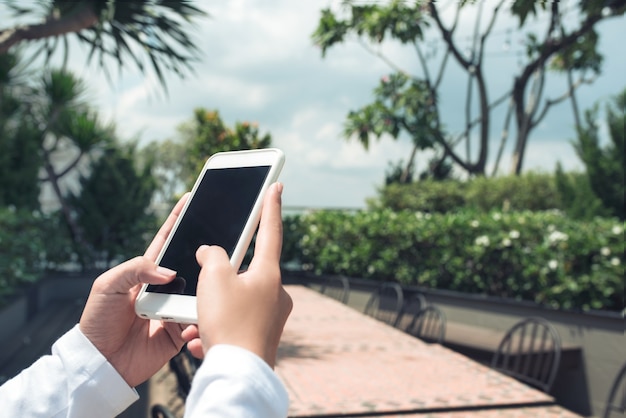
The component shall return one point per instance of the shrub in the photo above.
(424, 196)
(531, 191)
(538, 256)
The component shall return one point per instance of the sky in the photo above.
(259, 64)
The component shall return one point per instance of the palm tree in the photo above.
(112, 29)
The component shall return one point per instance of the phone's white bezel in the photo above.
(183, 308)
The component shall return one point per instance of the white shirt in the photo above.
(76, 380)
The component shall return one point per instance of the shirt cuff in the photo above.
(233, 377)
(91, 376)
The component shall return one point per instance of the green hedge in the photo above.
(531, 191)
(538, 256)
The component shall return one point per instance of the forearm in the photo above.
(234, 382)
(74, 381)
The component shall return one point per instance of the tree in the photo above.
(141, 29)
(19, 158)
(571, 50)
(605, 165)
(202, 136)
(112, 207)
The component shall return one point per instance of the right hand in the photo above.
(250, 309)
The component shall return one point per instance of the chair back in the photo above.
(385, 303)
(428, 324)
(336, 287)
(412, 305)
(530, 352)
(617, 397)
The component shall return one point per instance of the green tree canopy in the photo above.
(605, 164)
(112, 207)
(567, 45)
(179, 161)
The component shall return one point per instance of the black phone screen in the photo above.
(216, 215)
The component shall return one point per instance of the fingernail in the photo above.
(279, 188)
(164, 271)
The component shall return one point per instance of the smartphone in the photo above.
(224, 209)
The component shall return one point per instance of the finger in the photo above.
(195, 348)
(159, 239)
(190, 332)
(214, 264)
(269, 239)
(122, 278)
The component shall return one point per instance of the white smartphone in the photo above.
(224, 209)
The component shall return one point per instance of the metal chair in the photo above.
(184, 366)
(336, 287)
(428, 324)
(161, 411)
(530, 352)
(412, 305)
(616, 401)
(385, 303)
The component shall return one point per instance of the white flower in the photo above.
(506, 242)
(370, 269)
(605, 251)
(482, 240)
(551, 228)
(616, 230)
(313, 228)
(615, 261)
(557, 236)
(496, 216)
(305, 238)
(474, 224)
(514, 234)
(428, 216)
(419, 215)
(553, 264)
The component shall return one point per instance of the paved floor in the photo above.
(36, 340)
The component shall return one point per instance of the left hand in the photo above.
(137, 348)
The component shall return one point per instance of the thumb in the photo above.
(139, 270)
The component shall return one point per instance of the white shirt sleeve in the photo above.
(76, 380)
(234, 382)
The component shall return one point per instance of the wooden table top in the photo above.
(336, 361)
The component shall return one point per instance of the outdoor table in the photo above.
(336, 361)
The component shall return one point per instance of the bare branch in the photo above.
(383, 58)
(504, 137)
(570, 91)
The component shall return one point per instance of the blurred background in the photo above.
(468, 146)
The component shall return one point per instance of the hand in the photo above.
(137, 348)
(250, 309)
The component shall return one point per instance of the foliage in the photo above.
(112, 207)
(538, 256)
(22, 248)
(605, 166)
(19, 159)
(577, 199)
(405, 97)
(136, 31)
(426, 196)
(530, 191)
(401, 104)
(199, 138)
